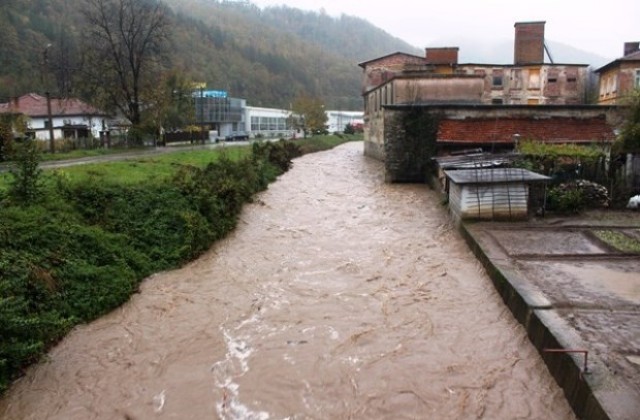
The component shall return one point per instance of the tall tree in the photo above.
(629, 139)
(126, 41)
(309, 115)
(170, 104)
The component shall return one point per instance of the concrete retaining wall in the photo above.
(537, 318)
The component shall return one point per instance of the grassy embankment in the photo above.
(81, 246)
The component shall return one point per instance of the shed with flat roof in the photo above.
(491, 194)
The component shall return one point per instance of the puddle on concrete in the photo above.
(623, 284)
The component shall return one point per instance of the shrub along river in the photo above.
(337, 296)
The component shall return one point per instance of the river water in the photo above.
(337, 297)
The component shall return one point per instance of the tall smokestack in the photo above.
(529, 43)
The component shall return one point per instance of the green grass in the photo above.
(77, 154)
(149, 169)
(158, 168)
(618, 240)
(154, 169)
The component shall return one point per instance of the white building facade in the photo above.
(268, 122)
(338, 120)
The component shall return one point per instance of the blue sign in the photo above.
(210, 94)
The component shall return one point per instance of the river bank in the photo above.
(337, 296)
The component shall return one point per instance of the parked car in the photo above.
(237, 135)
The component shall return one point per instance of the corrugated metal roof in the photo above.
(474, 160)
(494, 176)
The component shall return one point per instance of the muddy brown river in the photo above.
(337, 297)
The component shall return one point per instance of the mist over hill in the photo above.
(474, 50)
(268, 56)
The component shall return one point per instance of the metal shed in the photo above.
(491, 194)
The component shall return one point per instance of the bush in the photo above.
(349, 129)
(575, 196)
(25, 183)
(565, 200)
(6, 140)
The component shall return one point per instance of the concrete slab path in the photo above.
(578, 297)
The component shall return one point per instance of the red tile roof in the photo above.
(35, 105)
(502, 130)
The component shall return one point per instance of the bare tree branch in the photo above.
(125, 38)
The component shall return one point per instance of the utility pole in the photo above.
(52, 146)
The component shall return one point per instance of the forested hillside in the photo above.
(268, 56)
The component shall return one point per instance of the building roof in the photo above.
(476, 131)
(364, 63)
(627, 58)
(517, 66)
(424, 75)
(494, 176)
(475, 160)
(34, 105)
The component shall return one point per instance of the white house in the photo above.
(71, 117)
(338, 120)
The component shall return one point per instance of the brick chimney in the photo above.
(529, 43)
(631, 47)
(445, 55)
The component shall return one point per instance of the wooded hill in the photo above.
(267, 56)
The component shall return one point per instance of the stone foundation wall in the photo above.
(407, 137)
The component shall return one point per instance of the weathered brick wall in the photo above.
(438, 89)
(551, 84)
(529, 43)
(553, 129)
(445, 55)
(379, 71)
(627, 77)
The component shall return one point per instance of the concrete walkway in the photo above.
(579, 300)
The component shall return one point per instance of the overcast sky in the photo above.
(598, 26)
